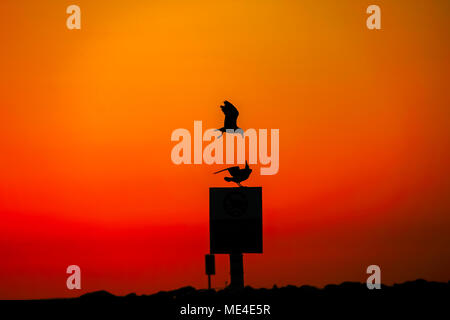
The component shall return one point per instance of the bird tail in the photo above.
(221, 170)
(228, 179)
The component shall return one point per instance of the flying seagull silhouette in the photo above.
(230, 122)
(237, 174)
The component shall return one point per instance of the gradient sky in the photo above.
(86, 117)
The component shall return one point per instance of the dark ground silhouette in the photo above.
(419, 299)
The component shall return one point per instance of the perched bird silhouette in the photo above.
(237, 174)
(230, 122)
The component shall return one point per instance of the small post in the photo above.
(210, 267)
(237, 270)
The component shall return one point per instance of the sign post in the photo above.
(235, 226)
(237, 270)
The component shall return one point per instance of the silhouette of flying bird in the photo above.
(237, 174)
(230, 122)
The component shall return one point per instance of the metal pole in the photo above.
(237, 270)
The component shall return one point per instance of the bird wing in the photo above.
(231, 115)
(234, 171)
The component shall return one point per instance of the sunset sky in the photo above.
(86, 117)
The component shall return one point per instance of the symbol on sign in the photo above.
(235, 204)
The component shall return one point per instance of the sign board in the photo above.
(235, 220)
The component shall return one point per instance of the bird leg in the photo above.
(220, 131)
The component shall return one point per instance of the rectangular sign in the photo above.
(235, 220)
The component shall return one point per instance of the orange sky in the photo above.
(86, 117)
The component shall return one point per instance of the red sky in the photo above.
(86, 118)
